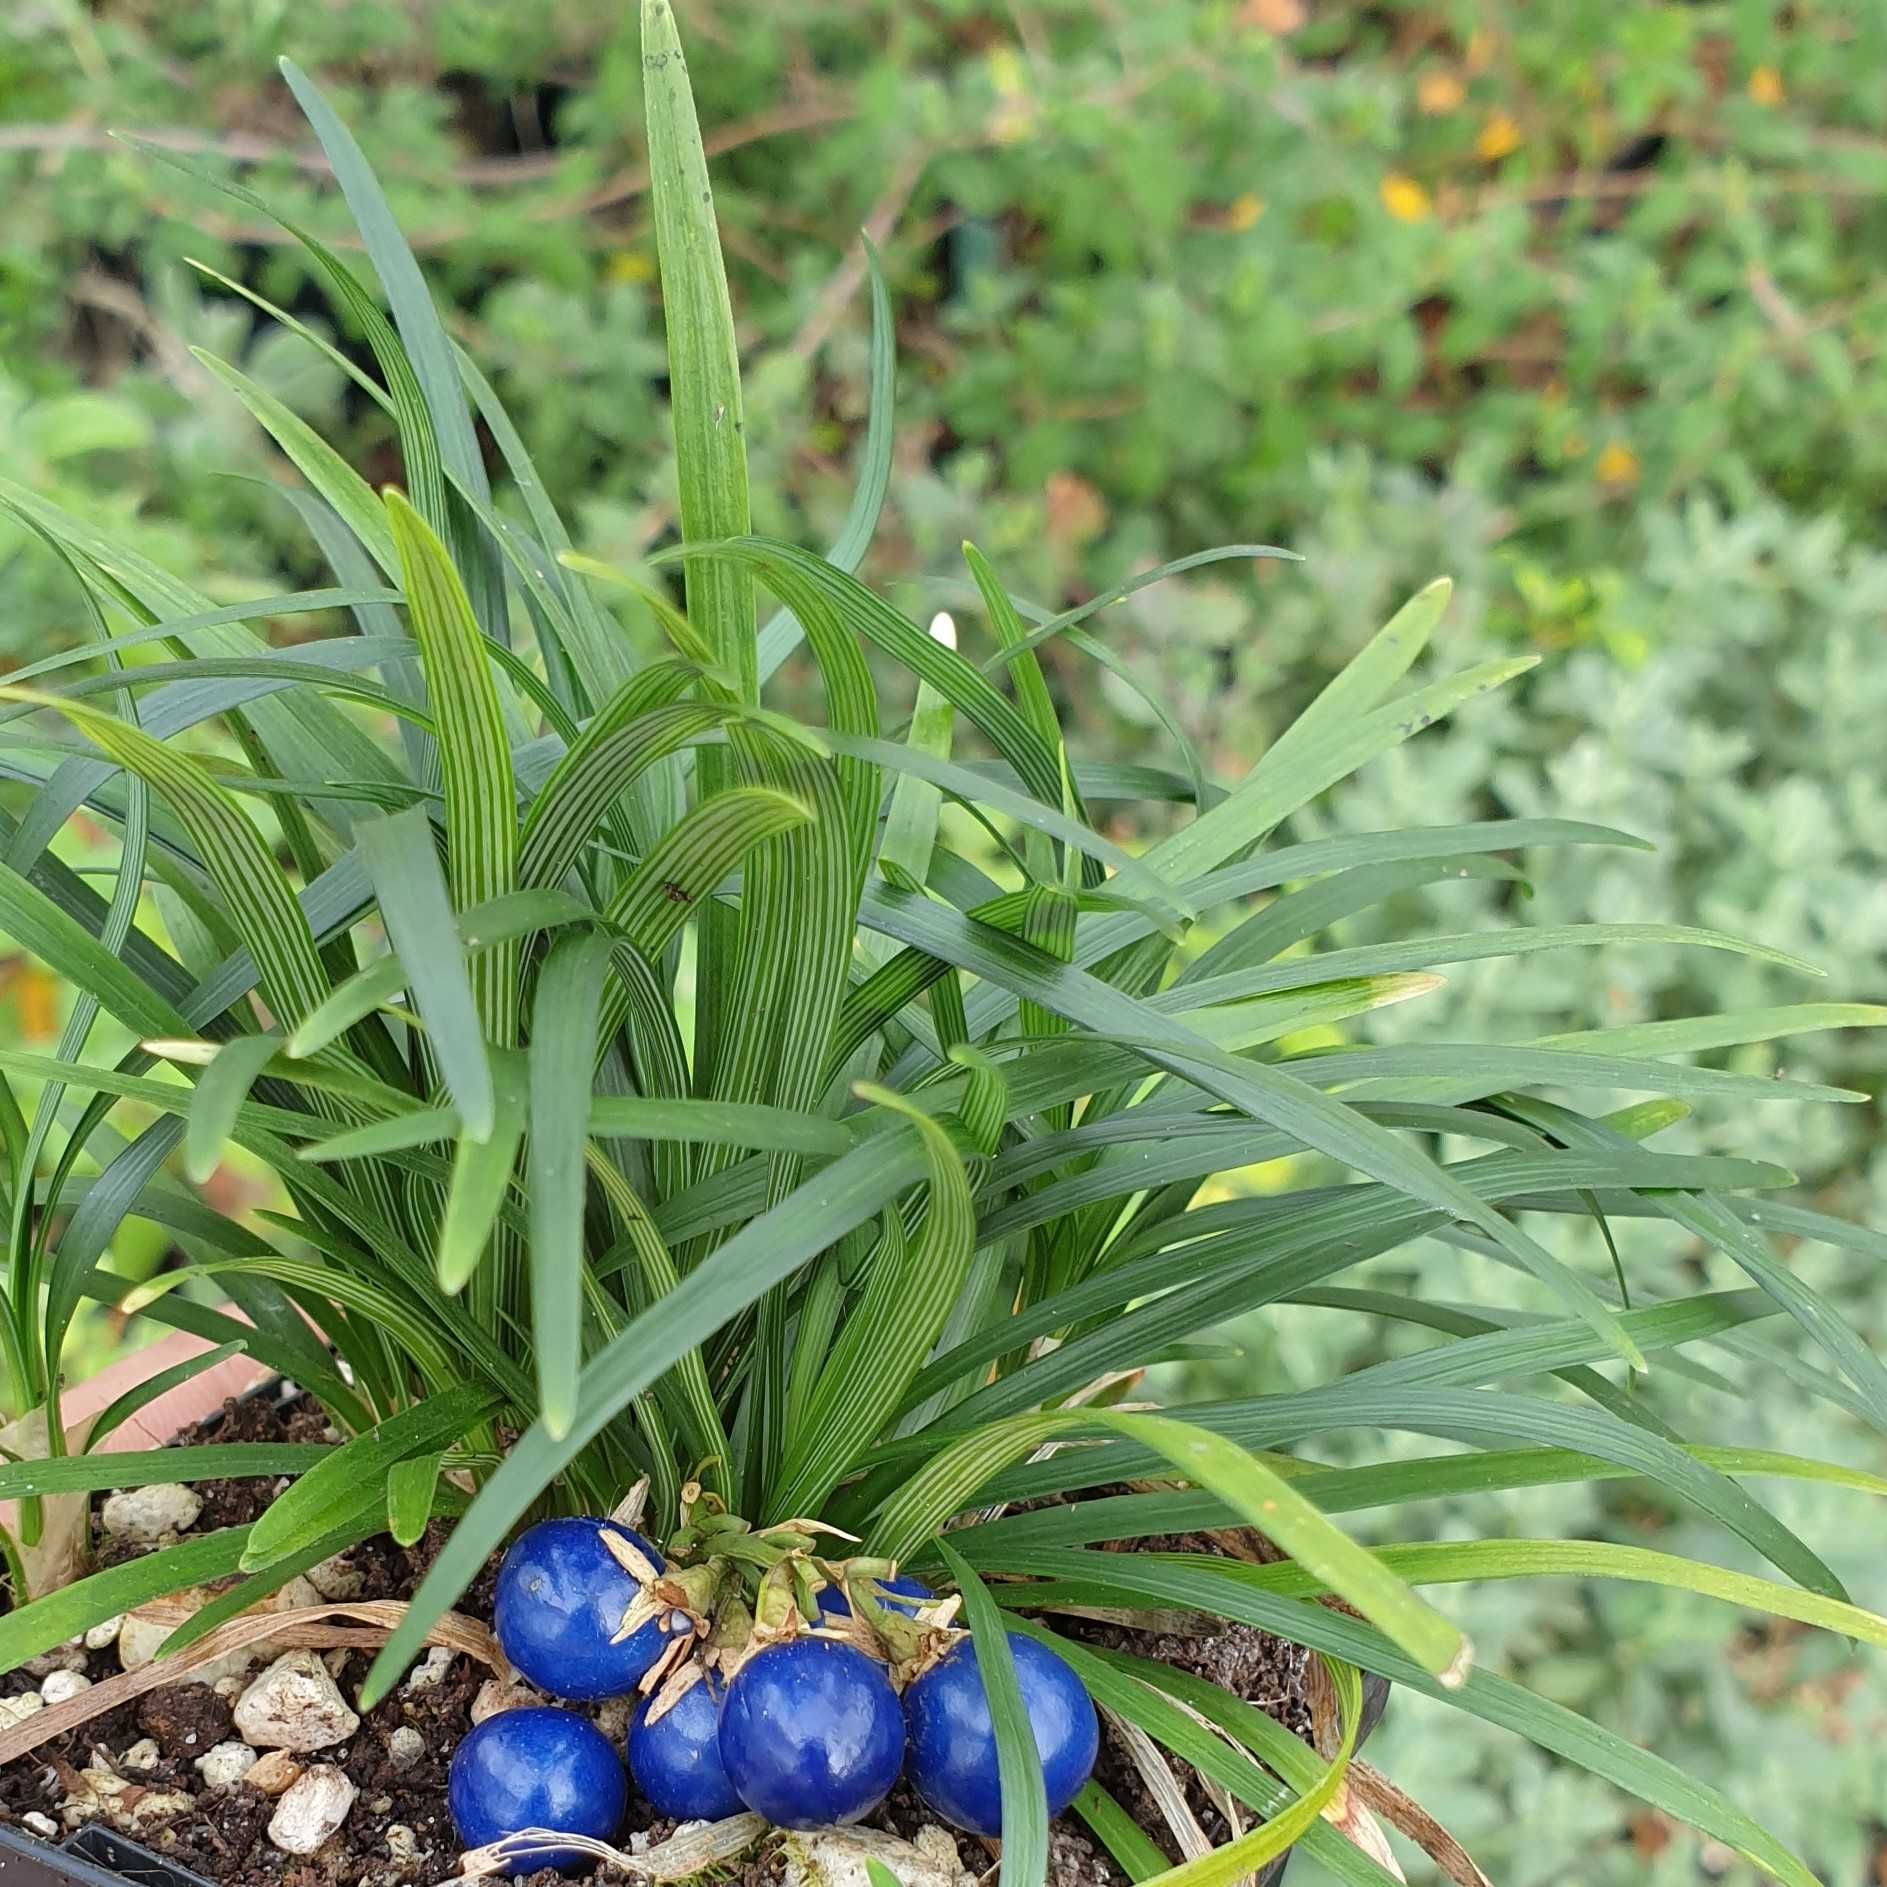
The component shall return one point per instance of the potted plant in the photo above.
(720, 1192)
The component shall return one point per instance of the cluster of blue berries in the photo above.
(790, 1708)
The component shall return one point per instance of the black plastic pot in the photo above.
(94, 1857)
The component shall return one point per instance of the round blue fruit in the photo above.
(540, 1768)
(811, 1733)
(676, 1760)
(561, 1599)
(901, 1593)
(953, 1744)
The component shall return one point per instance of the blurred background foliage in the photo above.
(1579, 302)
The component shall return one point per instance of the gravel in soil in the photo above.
(223, 1837)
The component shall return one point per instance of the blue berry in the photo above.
(539, 1768)
(676, 1760)
(561, 1598)
(811, 1733)
(953, 1744)
(901, 1592)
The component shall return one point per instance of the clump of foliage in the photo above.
(663, 1088)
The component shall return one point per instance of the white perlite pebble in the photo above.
(146, 1514)
(104, 1633)
(98, 1793)
(402, 1843)
(273, 1773)
(336, 1579)
(311, 1811)
(142, 1755)
(294, 1705)
(225, 1765)
(139, 1637)
(497, 1694)
(837, 1857)
(69, 1656)
(42, 1825)
(430, 1671)
(62, 1686)
(405, 1747)
(17, 1709)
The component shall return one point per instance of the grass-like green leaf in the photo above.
(563, 1035)
(354, 1475)
(417, 911)
(221, 1090)
(703, 363)
(1018, 1762)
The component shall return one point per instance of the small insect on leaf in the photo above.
(674, 893)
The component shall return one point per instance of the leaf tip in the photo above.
(1458, 1667)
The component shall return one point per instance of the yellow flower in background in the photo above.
(1014, 116)
(35, 992)
(1405, 199)
(1439, 92)
(1617, 464)
(1500, 137)
(1243, 211)
(629, 265)
(1765, 86)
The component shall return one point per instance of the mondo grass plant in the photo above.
(662, 1094)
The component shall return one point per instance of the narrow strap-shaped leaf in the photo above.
(1471, 1414)
(1453, 1562)
(847, 551)
(1118, 1833)
(412, 1485)
(703, 362)
(1018, 1761)
(1125, 1685)
(481, 1176)
(481, 817)
(1364, 681)
(1229, 1866)
(350, 495)
(140, 1395)
(74, 1609)
(149, 1467)
(221, 1090)
(689, 861)
(719, 1123)
(354, 1474)
(417, 911)
(419, 1127)
(179, 629)
(90, 1231)
(1277, 787)
(562, 1054)
(868, 615)
(1686, 1035)
(424, 335)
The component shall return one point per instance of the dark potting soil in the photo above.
(222, 1833)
